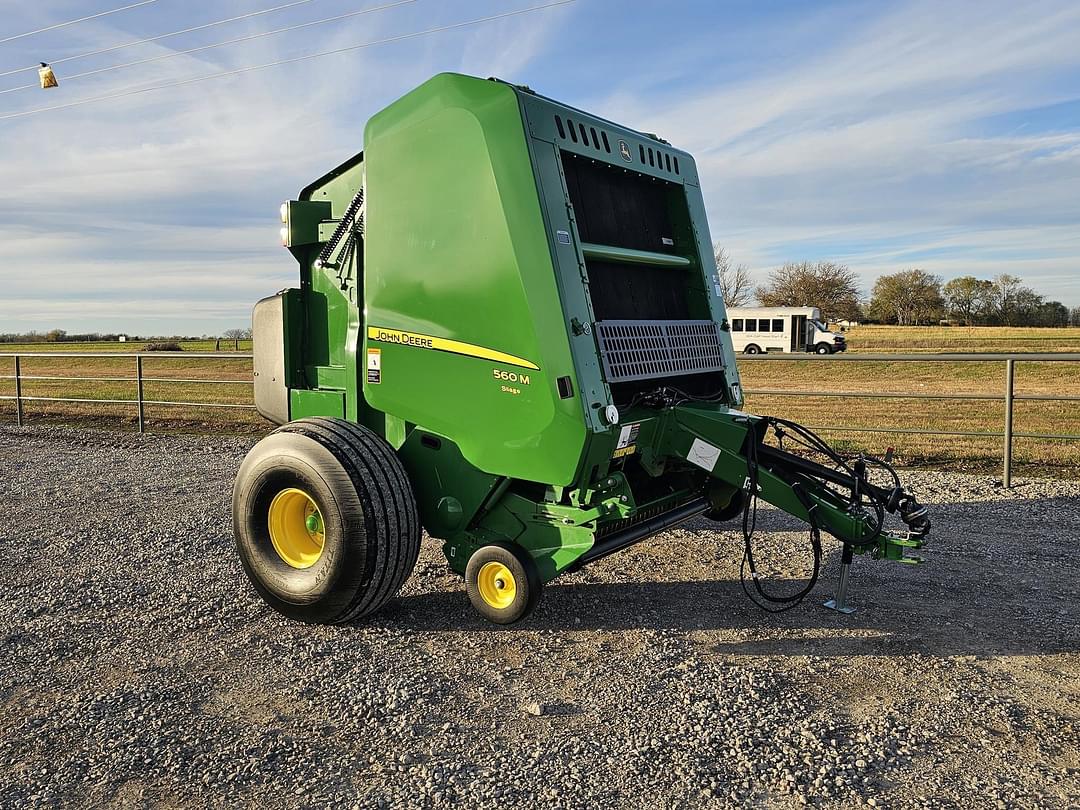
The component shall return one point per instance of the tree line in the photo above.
(57, 336)
(908, 297)
(63, 336)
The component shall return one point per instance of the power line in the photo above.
(81, 19)
(372, 10)
(163, 36)
(399, 38)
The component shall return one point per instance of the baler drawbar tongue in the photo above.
(835, 496)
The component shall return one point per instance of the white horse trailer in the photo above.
(782, 329)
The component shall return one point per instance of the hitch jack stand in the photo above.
(839, 602)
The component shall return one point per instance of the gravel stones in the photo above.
(138, 668)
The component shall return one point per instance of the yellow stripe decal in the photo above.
(439, 344)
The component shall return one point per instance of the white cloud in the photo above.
(872, 137)
(159, 212)
(876, 148)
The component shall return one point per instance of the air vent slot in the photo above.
(577, 133)
(643, 350)
(598, 139)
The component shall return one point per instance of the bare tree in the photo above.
(1074, 316)
(1006, 288)
(235, 335)
(736, 287)
(831, 287)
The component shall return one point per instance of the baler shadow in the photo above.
(988, 588)
(907, 623)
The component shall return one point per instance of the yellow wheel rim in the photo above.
(296, 528)
(496, 585)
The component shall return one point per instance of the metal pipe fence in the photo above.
(1008, 397)
(139, 379)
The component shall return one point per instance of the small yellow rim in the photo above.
(296, 528)
(496, 585)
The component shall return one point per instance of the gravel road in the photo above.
(138, 668)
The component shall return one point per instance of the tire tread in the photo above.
(391, 518)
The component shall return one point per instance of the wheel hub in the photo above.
(496, 585)
(296, 528)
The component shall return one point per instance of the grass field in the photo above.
(962, 339)
(167, 376)
(173, 378)
(1059, 457)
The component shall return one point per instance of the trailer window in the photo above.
(751, 325)
(778, 325)
(736, 325)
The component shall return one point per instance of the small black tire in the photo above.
(503, 583)
(356, 504)
(823, 348)
(732, 509)
(752, 349)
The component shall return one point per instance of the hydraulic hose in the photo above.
(797, 472)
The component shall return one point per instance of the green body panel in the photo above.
(462, 330)
(450, 491)
(316, 403)
(456, 248)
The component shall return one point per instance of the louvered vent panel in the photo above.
(643, 350)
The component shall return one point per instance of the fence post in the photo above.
(18, 393)
(139, 388)
(1006, 472)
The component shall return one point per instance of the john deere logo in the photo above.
(624, 150)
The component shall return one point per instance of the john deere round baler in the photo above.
(509, 332)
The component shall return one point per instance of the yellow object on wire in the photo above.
(47, 76)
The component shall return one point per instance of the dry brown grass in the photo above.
(963, 339)
(1036, 456)
(167, 377)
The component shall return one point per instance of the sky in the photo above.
(943, 136)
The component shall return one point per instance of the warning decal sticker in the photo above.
(628, 435)
(374, 366)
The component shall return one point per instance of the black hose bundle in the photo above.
(864, 496)
(749, 525)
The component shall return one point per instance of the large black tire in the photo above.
(370, 528)
(752, 349)
(523, 585)
(823, 348)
